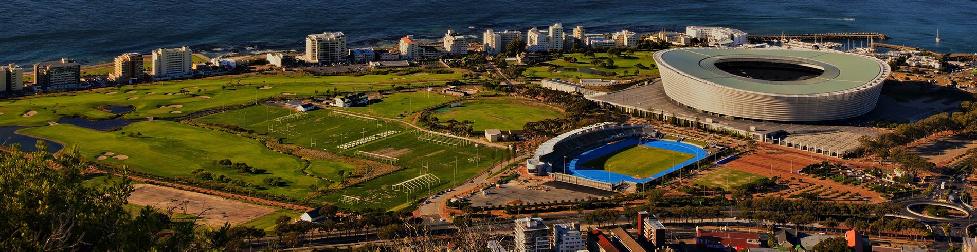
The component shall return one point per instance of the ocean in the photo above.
(95, 31)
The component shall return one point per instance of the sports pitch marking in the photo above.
(693, 152)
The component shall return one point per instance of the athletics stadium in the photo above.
(612, 156)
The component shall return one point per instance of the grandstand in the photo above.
(564, 155)
(554, 152)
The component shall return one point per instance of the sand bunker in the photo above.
(120, 157)
(29, 113)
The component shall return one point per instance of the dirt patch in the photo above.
(214, 211)
(786, 164)
(391, 152)
(946, 150)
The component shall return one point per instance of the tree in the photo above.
(834, 244)
(45, 206)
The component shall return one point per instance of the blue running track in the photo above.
(611, 148)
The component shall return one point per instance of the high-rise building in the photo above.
(11, 78)
(579, 32)
(567, 238)
(536, 40)
(625, 39)
(556, 37)
(128, 68)
(455, 44)
(496, 42)
(531, 235)
(326, 48)
(170, 63)
(57, 75)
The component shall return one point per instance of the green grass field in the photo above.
(726, 179)
(403, 103)
(327, 129)
(640, 161)
(499, 113)
(269, 221)
(172, 149)
(625, 67)
(175, 98)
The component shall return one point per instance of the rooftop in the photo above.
(839, 71)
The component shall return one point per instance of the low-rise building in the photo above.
(351, 100)
(389, 64)
(300, 106)
(600, 42)
(493, 135)
(279, 60)
(57, 75)
(651, 229)
(728, 240)
(363, 55)
(718, 36)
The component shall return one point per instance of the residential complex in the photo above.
(548, 40)
(128, 68)
(531, 235)
(411, 49)
(625, 39)
(567, 238)
(57, 75)
(496, 42)
(326, 48)
(11, 78)
(717, 36)
(171, 63)
(455, 44)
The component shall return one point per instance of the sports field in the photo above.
(499, 113)
(725, 178)
(172, 149)
(625, 67)
(403, 103)
(418, 154)
(641, 161)
(175, 98)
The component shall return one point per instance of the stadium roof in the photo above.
(841, 71)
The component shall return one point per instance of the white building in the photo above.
(531, 235)
(923, 61)
(625, 39)
(455, 44)
(496, 42)
(717, 36)
(675, 38)
(169, 63)
(11, 78)
(556, 37)
(326, 48)
(549, 40)
(600, 42)
(536, 40)
(567, 238)
(275, 59)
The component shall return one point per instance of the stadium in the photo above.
(772, 84)
(612, 156)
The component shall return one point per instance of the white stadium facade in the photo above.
(773, 84)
